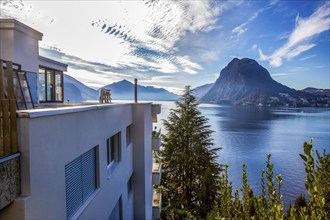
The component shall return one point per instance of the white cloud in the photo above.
(299, 39)
(188, 66)
(298, 50)
(278, 74)
(274, 2)
(209, 55)
(163, 79)
(175, 90)
(307, 58)
(254, 47)
(132, 35)
(239, 30)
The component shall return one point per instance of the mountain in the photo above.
(245, 81)
(125, 90)
(318, 92)
(76, 91)
(200, 91)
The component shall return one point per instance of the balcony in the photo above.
(156, 139)
(156, 172)
(10, 181)
(156, 143)
(155, 110)
(156, 204)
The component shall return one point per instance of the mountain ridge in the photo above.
(124, 90)
(200, 91)
(76, 91)
(246, 82)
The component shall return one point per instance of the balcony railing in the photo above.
(8, 126)
(14, 93)
(156, 172)
(156, 143)
(156, 204)
(10, 180)
(155, 110)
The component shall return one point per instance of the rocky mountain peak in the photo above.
(244, 80)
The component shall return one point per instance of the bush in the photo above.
(269, 205)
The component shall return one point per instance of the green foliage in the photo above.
(269, 204)
(190, 176)
(315, 175)
(247, 195)
(322, 179)
(300, 202)
(176, 214)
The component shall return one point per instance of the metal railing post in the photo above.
(135, 90)
(12, 106)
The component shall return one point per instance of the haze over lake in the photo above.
(247, 134)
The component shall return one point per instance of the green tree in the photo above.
(322, 178)
(190, 177)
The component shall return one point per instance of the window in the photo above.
(50, 85)
(80, 181)
(42, 85)
(114, 148)
(21, 87)
(116, 213)
(129, 185)
(129, 135)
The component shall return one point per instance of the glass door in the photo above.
(50, 85)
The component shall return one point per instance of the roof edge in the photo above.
(13, 24)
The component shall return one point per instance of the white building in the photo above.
(83, 161)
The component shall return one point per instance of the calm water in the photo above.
(247, 134)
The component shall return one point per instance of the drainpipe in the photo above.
(135, 90)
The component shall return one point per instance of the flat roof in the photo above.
(54, 64)
(69, 108)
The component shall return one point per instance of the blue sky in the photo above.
(171, 44)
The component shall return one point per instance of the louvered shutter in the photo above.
(88, 173)
(73, 184)
(80, 181)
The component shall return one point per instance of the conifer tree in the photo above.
(190, 176)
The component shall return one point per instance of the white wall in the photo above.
(142, 161)
(26, 51)
(6, 44)
(20, 44)
(50, 140)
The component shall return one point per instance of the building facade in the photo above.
(19, 43)
(83, 161)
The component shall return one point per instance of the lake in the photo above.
(248, 134)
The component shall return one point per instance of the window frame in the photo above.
(53, 73)
(129, 135)
(130, 185)
(120, 204)
(114, 149)
(22, 91)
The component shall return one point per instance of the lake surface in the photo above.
(248, 134)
